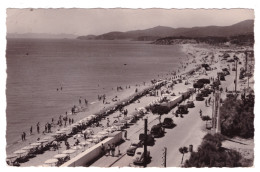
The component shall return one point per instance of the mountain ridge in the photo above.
(243, 27)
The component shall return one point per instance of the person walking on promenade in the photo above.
(108, 150)
(200, 113)
(125, 135)
(31, 130)
(103, 151)
(206, 102)
(209, 100)
(113, 149)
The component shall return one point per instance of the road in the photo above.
(188, 130)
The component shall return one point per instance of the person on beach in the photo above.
(24, 136)
(85, 136)
(69, 121)
(200, 113)
(206, 102)
(38, 129)
(31, 130)
(86, 102)
(72, 120)
(46, 128)
(79, 101)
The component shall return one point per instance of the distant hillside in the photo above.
(240, 28)
(41, 35)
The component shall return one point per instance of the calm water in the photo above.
(36, 68)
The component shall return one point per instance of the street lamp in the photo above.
(236, 59)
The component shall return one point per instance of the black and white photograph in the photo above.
(129, 87)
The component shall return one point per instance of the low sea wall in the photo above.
(88, 156)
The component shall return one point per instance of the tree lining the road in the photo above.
(160, 110)
(237, 117)
(211, 154)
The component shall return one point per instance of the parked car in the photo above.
(157, 131)
(199, 97)
(132, 148)
(182, 109)
(168, 123)
(205, 93)
(150, 139)
(190, 104)
(138, 158)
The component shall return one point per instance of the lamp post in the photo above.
(236, 59)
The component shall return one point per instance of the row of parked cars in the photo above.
(136, 148)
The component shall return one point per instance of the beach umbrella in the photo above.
(27, 148)
(54, 134)
(51, 161)
(95, 140)
(93, 116)
(46, 138)
(123, 121)
(70, 151)
(78, 135)
(35, 144)
(42, 141)
(84, 143)
(11, 156)
(60, 155)
(60, 132)
(20, 152)
(118, 124)
(127, 118)
(89, 140)
(76, 147)
(102, 133)
(65, 129)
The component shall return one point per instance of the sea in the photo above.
(46, 77)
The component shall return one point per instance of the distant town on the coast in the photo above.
(115, 95)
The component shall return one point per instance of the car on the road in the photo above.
(190, 104)
(199, 97)
(168, 123)
(132, 148)
(149, 140)
(138, 158)
(157, 131)
(182, 109)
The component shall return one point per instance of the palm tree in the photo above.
(183, 150)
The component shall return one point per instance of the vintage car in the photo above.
(132, 148)
(157, 131)
(182, 109)
(138, 158)
(199, 97)
(168, 123)
(190, 104)
(149, 140)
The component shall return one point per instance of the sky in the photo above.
(99, 21)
